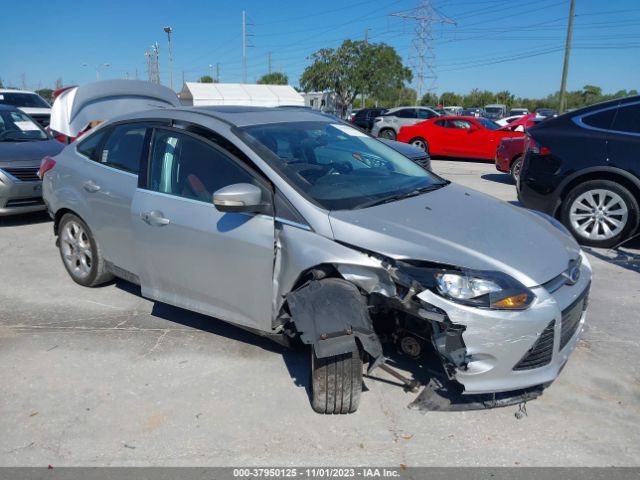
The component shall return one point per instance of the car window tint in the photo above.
(405, 113)
(426, 114)
(123, 148)
(463, 124)
(627, 119)
(600, 119)
(184, 166)
(87, 147)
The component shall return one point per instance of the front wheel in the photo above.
(387, 133)
(600, 213)
(336, 383)
(420, 143)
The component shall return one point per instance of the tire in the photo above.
(80, 253)
(387, 133)
(600, 213)
(516, 168)
(420, 143)
(336, 383)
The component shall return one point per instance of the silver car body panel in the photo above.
(241, 267)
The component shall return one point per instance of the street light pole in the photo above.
(97, 67)
(169, 30)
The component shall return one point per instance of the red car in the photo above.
(509, 156)
(467, 137)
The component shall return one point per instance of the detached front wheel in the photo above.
(336, 383)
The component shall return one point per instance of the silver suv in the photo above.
(389, 124)
(302, 228)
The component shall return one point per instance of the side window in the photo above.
(184, 166)
(124, 147)
(406, 113)
(462, 124)
(627, 119)
(88, 146)
(441, 123)
(600, 119)
(426, 114)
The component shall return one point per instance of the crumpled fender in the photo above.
(331, 314)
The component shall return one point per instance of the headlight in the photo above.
(483, 289)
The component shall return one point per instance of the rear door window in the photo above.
(627, 119)
(123, 149)
(600, 119)
(405, 113)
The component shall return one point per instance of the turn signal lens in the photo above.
(515, 301)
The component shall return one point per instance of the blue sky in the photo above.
(495, 44)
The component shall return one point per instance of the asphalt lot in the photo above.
(105, 377)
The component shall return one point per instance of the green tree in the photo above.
(450, 99)
(206, 79)
(356, 67)
(45, 93)
(274, 78)
(1, 84)
(429, 99)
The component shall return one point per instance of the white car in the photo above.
(29, 102)
(507, 120)
(388, 125)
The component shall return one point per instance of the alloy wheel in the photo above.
(598, 214)
(76, 250)
(419, 143)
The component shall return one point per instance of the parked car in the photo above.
(510, 153)
(29, 102)
(388, 125)
(352, 114)
(472, 112)
(518, 111)
(506, 120)
(296, 226)
(582, 168)
(546, 112)
(364, 118)
(23, 144)
(495, 111)
(452, 110)
(416, 155)
(466, 137)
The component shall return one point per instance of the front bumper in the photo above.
(497, 342)
(19, 197)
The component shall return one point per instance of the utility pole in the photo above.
(147, 55)
(567, 53)
(269, 62)
(169, 30)
(217, 73)
(425, 16)
(244, 47)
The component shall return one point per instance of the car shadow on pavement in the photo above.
(626, 256)
(503, 178)
(24, 219)
(296, 357)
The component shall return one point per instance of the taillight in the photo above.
(535, 147)
(46, 164)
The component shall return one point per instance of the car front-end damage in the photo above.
(488, 356)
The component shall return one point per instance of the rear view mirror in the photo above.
(239, 197)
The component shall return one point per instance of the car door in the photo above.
(190, 254)
(458, 137)
(108, 184)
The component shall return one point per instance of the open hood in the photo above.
(75, 108)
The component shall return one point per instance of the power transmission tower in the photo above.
(425, 16)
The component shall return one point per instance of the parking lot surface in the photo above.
(105, 377)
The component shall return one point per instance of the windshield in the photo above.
(28, 100)
(16, 126)
(488, 124)
(337, 166)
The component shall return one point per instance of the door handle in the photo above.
(91, 186)
(154, 218)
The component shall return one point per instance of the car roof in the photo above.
(239, 116)
(15, 90)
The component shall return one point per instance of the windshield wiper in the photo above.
(401, 196)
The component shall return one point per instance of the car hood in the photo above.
(23, 153)
(461, 227)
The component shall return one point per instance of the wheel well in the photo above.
(599, 175)
(515, 157)
(58, 216)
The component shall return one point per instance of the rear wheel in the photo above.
(516, 168)
(600, 213)
(420, 143)
(387, 133)
(80, 253)
(336, 383)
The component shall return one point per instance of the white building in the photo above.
(201, 94)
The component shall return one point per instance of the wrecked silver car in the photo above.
(301, 228)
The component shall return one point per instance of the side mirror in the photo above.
(239, 197)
